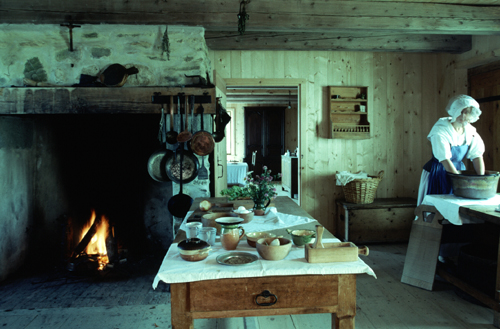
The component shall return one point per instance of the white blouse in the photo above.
(443, 136)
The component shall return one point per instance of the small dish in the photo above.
(236, 258)
(229, 221)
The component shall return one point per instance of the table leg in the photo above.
(181, 317)
(344, 318)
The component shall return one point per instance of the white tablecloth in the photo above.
(175, 270)
(271, 221)
(236, 172)
(448, 205)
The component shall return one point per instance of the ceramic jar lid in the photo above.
(193, 244)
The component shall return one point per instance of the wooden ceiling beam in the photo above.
(343, 42)
(277, 15)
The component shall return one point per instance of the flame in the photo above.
(97, 245)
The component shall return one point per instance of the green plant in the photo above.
(259, 188)
(235, 192)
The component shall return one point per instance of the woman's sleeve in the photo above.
(440, 147)
(476, 148)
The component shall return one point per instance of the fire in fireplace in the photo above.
(96, 247)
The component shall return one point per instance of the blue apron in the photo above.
(439, 182)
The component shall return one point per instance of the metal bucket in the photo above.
(469, 185)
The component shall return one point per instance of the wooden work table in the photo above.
(236, 297)
(423, 249)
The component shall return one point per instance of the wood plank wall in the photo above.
(407, 94)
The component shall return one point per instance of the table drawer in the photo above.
(241, 294)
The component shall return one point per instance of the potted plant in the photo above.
(260, 189)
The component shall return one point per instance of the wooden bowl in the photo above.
(269, 252)
(252, 237)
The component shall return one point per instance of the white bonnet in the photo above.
(460, 102)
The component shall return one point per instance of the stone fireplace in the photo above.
(59, 160)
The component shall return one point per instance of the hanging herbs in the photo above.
(242, 17)
(165, 44)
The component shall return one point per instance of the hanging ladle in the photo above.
(185, 135)
(172, 134)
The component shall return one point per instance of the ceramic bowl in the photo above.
(302, 237)
(208, 220)
(193, 250)
(254, 236)
(247, 217)
(270, 252)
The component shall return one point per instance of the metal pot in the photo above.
(467, 184)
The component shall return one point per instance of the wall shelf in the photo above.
(349, 112)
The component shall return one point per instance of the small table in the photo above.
(295, 294)
(236, 172)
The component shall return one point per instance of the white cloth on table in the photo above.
(236, 172)
(175, 270)
(271, 221)
(448, 205)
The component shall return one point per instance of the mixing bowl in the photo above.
(272, 252)
(467, 184)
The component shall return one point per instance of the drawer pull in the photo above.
(266, 294)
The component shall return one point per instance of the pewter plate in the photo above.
(236, 258)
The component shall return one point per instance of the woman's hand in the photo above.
(449, 167)
(478, 165)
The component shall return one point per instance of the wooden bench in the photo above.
(384, 220)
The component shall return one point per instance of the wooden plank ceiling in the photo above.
(404, 26)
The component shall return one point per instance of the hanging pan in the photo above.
(179, 204)
(202, 142)
(183, 161)
(157, 161)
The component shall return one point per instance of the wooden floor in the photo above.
(127, 300)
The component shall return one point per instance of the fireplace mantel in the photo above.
(92, 100)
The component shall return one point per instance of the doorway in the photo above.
(264, 138)
(259, 96)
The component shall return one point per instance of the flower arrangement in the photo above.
(259, 188)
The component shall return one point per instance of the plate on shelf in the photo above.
(236, 258)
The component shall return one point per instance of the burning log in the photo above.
(86, 239)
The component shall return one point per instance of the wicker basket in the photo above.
(362, 190)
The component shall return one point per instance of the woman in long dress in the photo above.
(452, 138)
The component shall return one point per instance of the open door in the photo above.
(218, 163)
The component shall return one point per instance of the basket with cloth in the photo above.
(359, 187)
